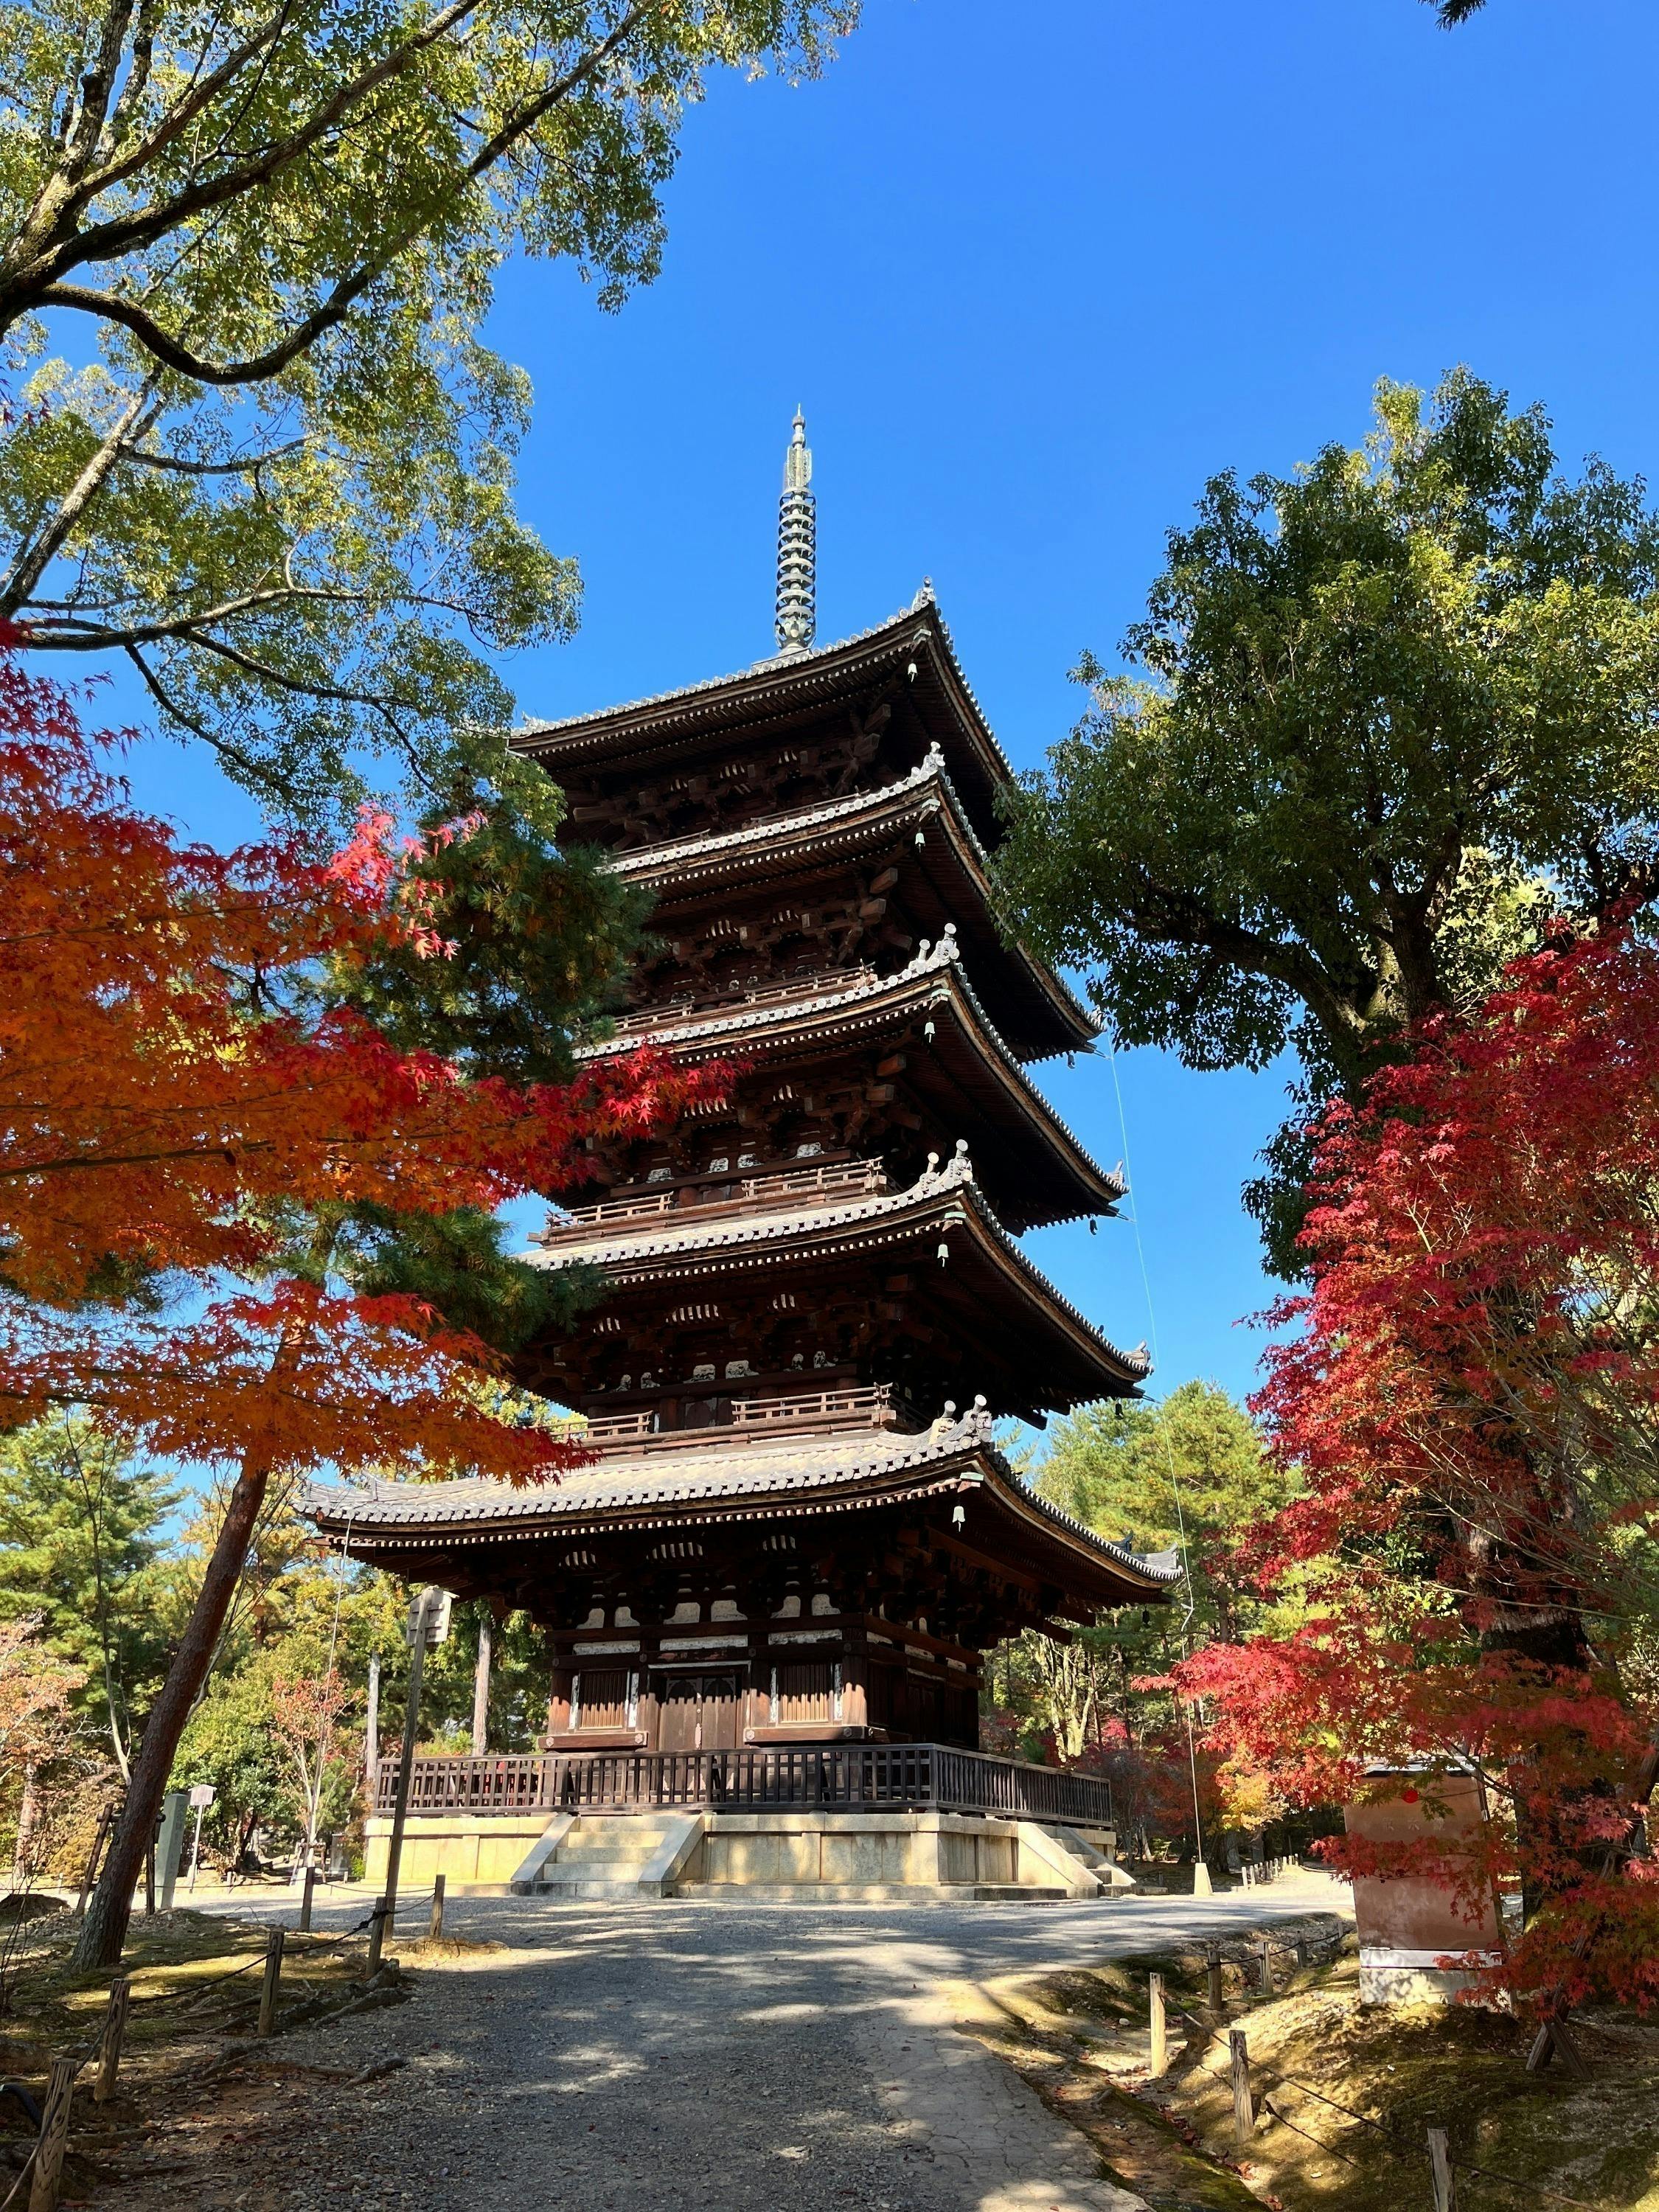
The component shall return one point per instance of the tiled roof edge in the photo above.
(931, 769)
(933, 962)
(726, 1233)
(530, 734)
(340, 1504)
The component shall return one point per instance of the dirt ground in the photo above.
(193, 2075)
(1345, 2095)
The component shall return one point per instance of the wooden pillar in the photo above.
(372, 1736)
(481, 1690)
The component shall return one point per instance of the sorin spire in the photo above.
(796, 616)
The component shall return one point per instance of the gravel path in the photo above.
(694, 2058)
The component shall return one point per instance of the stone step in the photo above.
(1016, 1893)
(570, 1855)
(595, 1870)
(585, 1886)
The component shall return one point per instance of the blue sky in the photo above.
(1034, 274)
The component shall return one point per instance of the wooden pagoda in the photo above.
(797, 1527)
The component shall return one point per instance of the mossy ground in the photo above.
(1345, 2093)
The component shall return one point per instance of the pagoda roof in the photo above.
(671, 724)
(1037, 1010)
(1080, 1364)
(1049, 1177)
(728, 1479)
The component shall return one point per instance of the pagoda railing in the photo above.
(847, 1179)
(756, 994)
(869, 1407)
(851, 1777)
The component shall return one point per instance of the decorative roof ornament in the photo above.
(797, 608)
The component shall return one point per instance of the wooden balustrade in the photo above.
(751, 1193)
(869, 1407)
(841, 1777)
(755, 994)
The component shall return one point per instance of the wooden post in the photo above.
(1267, 1965)
(47, 2181)
(149, 1882)
(377, 1918)
(109, 2051)
(305, 1900)
(1158, 2063)
(1440, 2170)
(481, 1690)
(1212, 1966)
(1243, 2106)
(405, 1761)
(275, 1938)
(372, 1731)
(437, 1927)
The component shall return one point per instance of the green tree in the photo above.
(1187, 1474)
(230, 1741)
(1392, 708)
(283, 489)
(83, 1542)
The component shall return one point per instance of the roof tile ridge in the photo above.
(983, 856)
(926, 961)
(1138, 1361)
(760, 1229)
(1031, 1495)
(983, 718)
(791, 664)
(803, 817)
(1019, 1070)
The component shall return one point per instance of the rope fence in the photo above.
(1395, 2147)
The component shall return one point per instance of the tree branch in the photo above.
(31, 561)
(112, 240)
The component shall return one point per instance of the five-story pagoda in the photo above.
(797, 1528)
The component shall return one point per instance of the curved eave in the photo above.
(931, 985)
(686, 868)
(360, 1522)
(924, 1214)
(670, 722)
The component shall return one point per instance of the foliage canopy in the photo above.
(1382, 699)
(282, 489)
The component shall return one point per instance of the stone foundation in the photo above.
(781, 1854)
(465, 1848)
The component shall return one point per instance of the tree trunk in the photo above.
(481, 1691)
(104, 1932)
(29, 1817)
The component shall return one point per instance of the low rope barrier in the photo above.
(1394, 2147)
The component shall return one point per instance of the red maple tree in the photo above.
(1472, 1402)
(185, 1105)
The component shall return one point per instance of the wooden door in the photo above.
(721, 1713)
(699, 1712)
(679, 1707)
